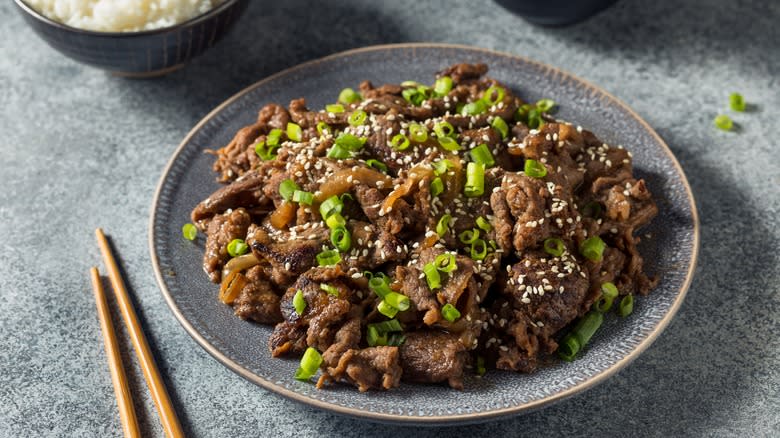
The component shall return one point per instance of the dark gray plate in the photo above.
(242, 346)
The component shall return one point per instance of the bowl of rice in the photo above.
(136, 38)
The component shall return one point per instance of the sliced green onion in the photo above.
(448, 144)
(480, 368)
(418, 132)
(446, 262)
(399, 142)
(437, 187)
(737, 102)
(303, 197)
(380, 285)
(521, 115)
(626, 305)
(500, 125)
(534, 169)
(376, 164)
(287, 188)
(415, 96)
(608, 294)
(478, 250)
(335, 220)
(331, 290)
(389, 326)
(449, 312)
(482, 155)
(348, 95)
(554, 246)
(299, 302)
(474, 108)
(724, 122)
(399, 301)
(475, 180)
(535, 120)
(273, 137)
(469, 236)
(443, 225)
(483, 224)
(373, 337)
(357, 118)
(237, 247)
(414, 84)
(266, 153)
(396, 339)
(329, 257)
(493, 95)
(441, 167)
(587, 326)
(432, 276)
(189, 231)
(323, 128)
(310, 363)
(350, 142)
(593, 248)
(334, 108)
(339, 153)
(442, 86)
(341, 239)
(386, 309)
(592, 209)
(331, 206)
(545, 105)
(568, 348)
(294, 132)
(443, 129)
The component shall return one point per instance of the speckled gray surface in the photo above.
(83, 149)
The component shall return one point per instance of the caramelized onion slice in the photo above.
(231, 286)
(416, 174)
(282, 216)
(343, 180)
(240, 263)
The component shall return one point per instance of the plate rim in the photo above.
(439, 419)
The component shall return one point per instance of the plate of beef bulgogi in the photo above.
(424, 233)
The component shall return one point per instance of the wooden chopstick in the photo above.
(162, 401)
(121, 388)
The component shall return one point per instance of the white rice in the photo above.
(122, 15)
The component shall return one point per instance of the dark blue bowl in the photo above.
(138, 54)
(555, 12)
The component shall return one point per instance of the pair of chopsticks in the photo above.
(155, 382)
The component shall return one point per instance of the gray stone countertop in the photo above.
(81, 149)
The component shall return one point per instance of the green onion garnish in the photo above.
(399, 301)
(724, 122)
(294, 132)
(334, 108)
(521, 115)
(568, 348)
(273, 137)
(446, 262)
(323, 128)
(299, 302)
(396, 339)
(390, 326)
(442, 86)
(554, 246)
(626, 305)
(449, 312)
(545, 105)
(303, 197)
(475, 180)
(443, 129)
(415, 96)
(593, 248)
(348, 95)
(534, 169)
(483, 224)
(335, 220)
(357, 118)
(478, 250)
(372, 334)
(441, 167)
(500, 125)
(265, 153)
(287, 188)
(737, 102)
(608, 294)
(443, 225)
(469, 236)
(341, 239)
(432, 276)
(399, 142)
(380, 285)
(587, 326)
(329, 257)
(437, 187)
(339, 153)
(535, 120)
(386, 309)
(480, 368)
(237, 247)
(482, 155)
(331, 290)
(493, 95)
(418, 133)
(310, 363)
(448, 144)
(474, 108)
(414, 84)
(350, 142)
(331, 206)
(592, 209)
(376, 164)
(189, 231)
